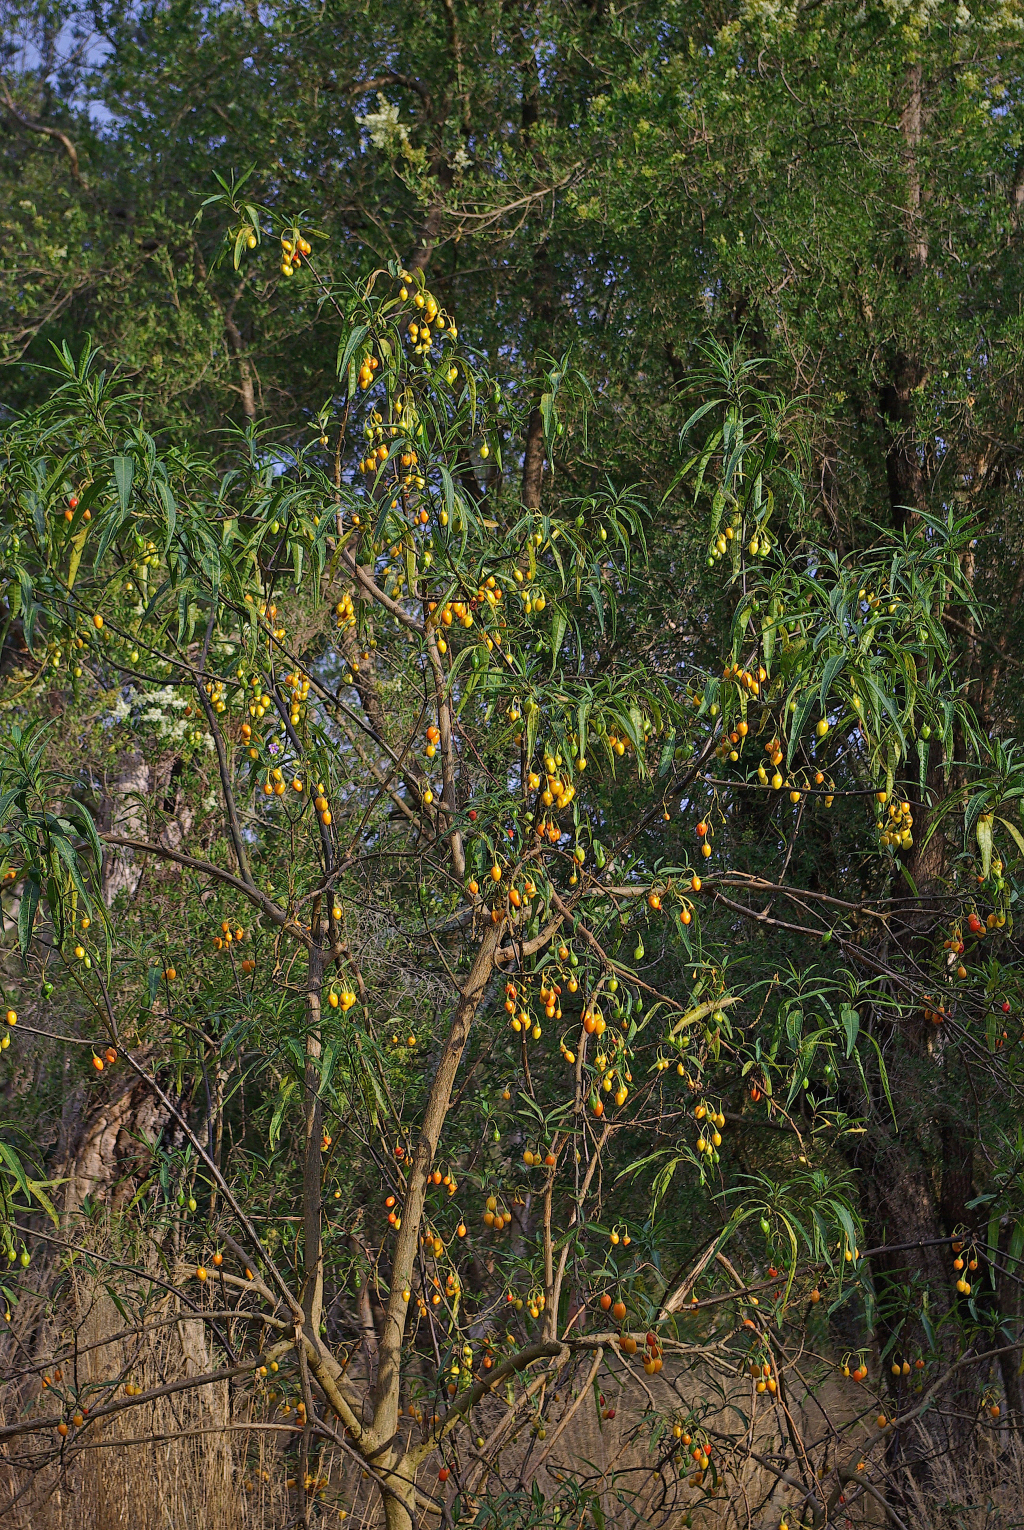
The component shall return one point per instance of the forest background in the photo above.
(511, 509)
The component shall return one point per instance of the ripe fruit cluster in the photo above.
(749, 680)
(521, 1021)
(228, 935)
(430, 321)
(896, 833)
(215, 691)
(495, 1216)
(708, 1142)
(971, 1262)
(293, 248)
(276, 786)
(733, 534)
(298, 686)
(345, 610)
(764, 1381)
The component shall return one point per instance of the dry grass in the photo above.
(981, 1490)
(199, 1460)
(183, 1478)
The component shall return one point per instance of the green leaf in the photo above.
(113, 522)
(833, 664)
(166, 498)
(124, 473)
(797, 721)
(373, 1093)
(993, 1244)
(663, 1179)
(1016, 1249)
(346, 352)
(668, 750)
(532, 713)
(1015, 833)
(37, 1190)
(27, 911)
(558, 625)
(14, 1165)
(768, 639)
(973, 809)
(698, 414)
(884, 1076)
(851, 1025)
(66, 853)
(546, 413)
(287, 1089)
(448, 484)
(78, 811)
(983, 833)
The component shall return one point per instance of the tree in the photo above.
(502, 880)
(840, 981)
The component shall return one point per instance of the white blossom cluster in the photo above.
(158, 709)
(384, 128)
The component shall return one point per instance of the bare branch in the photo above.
(50, 132)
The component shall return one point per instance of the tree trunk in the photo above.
(313, 1130)
(534, 450)
(385, 1420)
(107, 1150)
(903, 470)
(903, 473)
(246, 390)
(125, 811)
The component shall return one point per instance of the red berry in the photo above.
(472, 814)
(73, 501)
(1006, 1006)
(443, 1474)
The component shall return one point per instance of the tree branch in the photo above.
(266, 905)
(49, 132)
(389, 1375)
